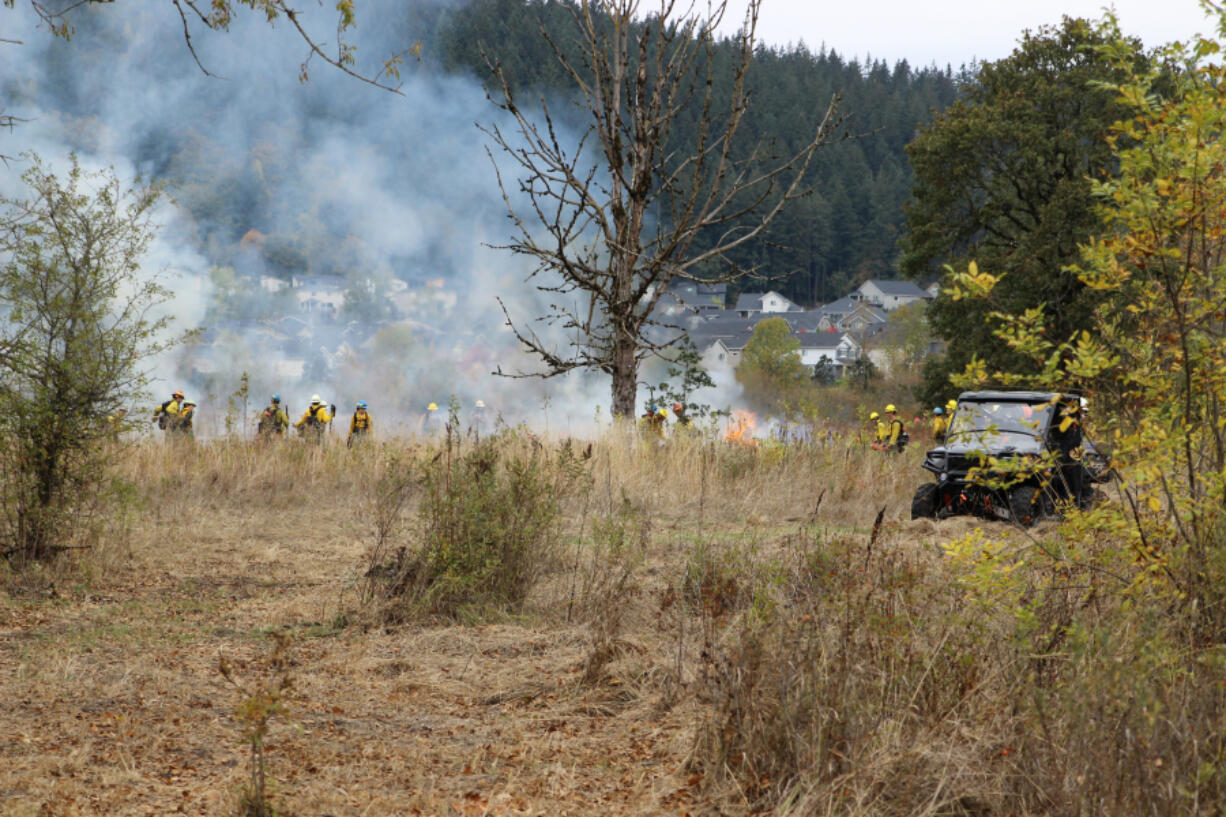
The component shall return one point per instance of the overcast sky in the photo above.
(954, 31)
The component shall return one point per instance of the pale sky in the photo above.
(954, 31)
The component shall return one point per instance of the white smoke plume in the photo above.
(399, 188)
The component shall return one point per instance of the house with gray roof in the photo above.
(756, 303)
(850, 314)
(700, 296)
(839, 348)
(890, 295)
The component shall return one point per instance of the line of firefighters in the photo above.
(889, 433)
(886, 434)
(655, 418)
(176, 416)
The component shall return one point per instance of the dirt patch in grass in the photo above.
(112, 703)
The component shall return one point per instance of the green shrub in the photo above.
(485, 529)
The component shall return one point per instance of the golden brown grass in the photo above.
(695, 583)
(113, 703)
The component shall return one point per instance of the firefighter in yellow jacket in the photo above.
(896, 435)
(877, 428)
(314, 420)
(360, 426)
(940, 424)
(167, 414)
(187, 419)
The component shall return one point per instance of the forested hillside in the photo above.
(240, 164)
(846, 229)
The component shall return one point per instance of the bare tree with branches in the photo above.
(217, 15)
(613, 217)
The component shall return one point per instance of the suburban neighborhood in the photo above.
(835, 334)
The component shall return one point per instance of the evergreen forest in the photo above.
(253, 178)
(847, 229)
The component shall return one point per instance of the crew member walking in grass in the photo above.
(940, 424)
(683, 419)
(652, 421)
(432, 421)
(187, 419)
(114, 424)
(897, 435)
(167, 414)
(274, 421)
(359, 426)
(876, 430)
(314, 420)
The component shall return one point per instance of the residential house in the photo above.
(756, 303)
(890, 295)
(850, 314)
(320, 294)
(839, 348)
(699, 296)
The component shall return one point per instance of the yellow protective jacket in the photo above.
(273, 420)
(186, 416)
(167, 413)
(361, 423)
(314, 417)
(881, 432)
(895, 431)
(940, 425)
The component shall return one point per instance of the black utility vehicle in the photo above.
(1010, 455)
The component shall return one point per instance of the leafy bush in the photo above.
(77, 328)
(486, 526)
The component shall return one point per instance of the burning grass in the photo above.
(718, 629)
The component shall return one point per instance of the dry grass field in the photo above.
(618, 687)
(113, 703)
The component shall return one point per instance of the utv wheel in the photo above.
(924, 504)
(1026, 505)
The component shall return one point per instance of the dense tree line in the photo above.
(846, 230)
(1004, 178)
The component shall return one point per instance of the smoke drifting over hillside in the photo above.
(282, 180)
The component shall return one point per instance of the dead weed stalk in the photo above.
(262, 701)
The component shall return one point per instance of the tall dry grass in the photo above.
(831, 657)
(684, 477)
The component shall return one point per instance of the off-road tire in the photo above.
(1026, 505)
(924, 504)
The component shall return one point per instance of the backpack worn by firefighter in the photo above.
(167, 414)
(273, 421)
(898, 436)
(314, 420)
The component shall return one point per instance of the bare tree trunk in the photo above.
(625, 375)
(612, 219)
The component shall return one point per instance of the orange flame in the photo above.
(740, 429)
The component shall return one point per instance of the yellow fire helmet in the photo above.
(432, 407)
(890, 409)
(952, 405)
(873, 416)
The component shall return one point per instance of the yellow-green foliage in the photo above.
(1154, 363)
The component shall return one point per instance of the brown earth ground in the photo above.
(111, 702)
